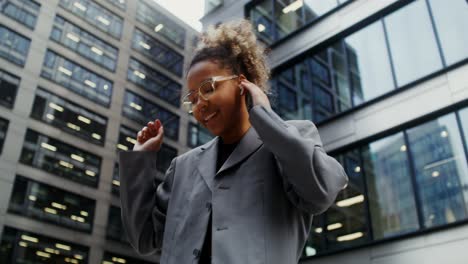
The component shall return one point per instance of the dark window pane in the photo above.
(451, 24)
(441, 170)
(197, 135)
(8, 87)
(19, 246)
(412, 43)
(387, 171)
(119, 3)
(115, 229)
(117, 258)
(13, 46)
(49, 204)
(3, 130)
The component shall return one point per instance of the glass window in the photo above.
(8, 86)
(441, 170)
(69, 117)
(109, 258)
(3, 130)
(84, 43)
(315, 243)
(13, 46)
(115, 229)
(116, 180)
(288, 16)
(160, 24)
(19, 246)
(412, 43)
(211, 5)
(95, 15)
(369, 63)
(390, 191)
(126, 139)
(158, 52)
(23, 11)
(346, 221)
(197, 135)
(450, 21)
(261, 16)
(154, 82)
(61, 159)
(77, 78)
(118, 3)
(49, 204)
(142, 111)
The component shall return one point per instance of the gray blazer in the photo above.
(262, 199)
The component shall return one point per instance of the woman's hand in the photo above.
(150, 138)
(258, 95)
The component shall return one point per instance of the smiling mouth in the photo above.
(210, 116)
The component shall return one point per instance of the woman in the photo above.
(248, 195)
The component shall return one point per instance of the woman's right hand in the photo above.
(150, 137)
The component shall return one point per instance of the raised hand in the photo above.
(259, 97)
(150, 137)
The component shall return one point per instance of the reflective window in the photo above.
(49, 204)
(127, 139)
(8, 86)
(412, 43)
(118, 3)
(142, 111)
(77, 78)
(450, 21)
(3, 131)
(154, 82)
(288, 16)
(346, 221)
(158, 52)
(23, 11)
(61, 159)
(115, 229)
(391, 197)
(13, 46)
(110, 258)
(441, 170)
(19, 246)
(211, 5)
(197, 135)
(69, 117)
(369, 63)
(161, 24)
(116, 180)
(84, 43)
(315, 243)
(95, 15)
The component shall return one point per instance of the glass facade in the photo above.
(95, 15)
(390, 53)
(3, 131)
(23, 11)
(19, 246)
(84, 43)
(111, 258)
(197, 135)
(274, 20)
(116, 180)
(154, 82)
(49, 204)
(412, 180)
(158, 52)
(13, 46)
(61, 159)
(119, 3)
(142, 111)
(115, 229)
(211, 5)
(9, 85)
(69, 117)
(160, 24)
(77, 78)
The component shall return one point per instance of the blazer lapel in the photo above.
(248, 144)
(207, 161)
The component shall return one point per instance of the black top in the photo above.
(224, 150)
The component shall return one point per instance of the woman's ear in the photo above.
(241, 78)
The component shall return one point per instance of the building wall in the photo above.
(20, 120)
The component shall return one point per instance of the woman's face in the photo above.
(224, 114)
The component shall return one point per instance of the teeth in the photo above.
(210, 116)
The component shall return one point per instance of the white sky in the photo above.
(189, 11)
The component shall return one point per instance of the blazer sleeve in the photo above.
(144, 199)
(312, 179)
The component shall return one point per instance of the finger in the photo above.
(139, 136)
(251, 87)
(152, 128)
(159, 137)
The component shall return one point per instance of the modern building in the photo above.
(386, 84)
(78, 78)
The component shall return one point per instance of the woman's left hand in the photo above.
(258, 95)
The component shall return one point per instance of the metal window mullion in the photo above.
(463, 139)
(387, 43)
(436, 35)
(366, 192)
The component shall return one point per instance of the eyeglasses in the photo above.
(205, 90)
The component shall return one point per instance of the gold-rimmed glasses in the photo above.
(205, 90)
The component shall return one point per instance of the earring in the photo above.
(241, 89)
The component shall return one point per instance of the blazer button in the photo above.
(208, 206)
(196, 253)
